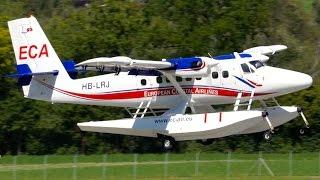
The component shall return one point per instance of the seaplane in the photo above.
(170, 99)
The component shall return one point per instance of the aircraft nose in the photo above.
(301, 80)
(298, 81)
(287, 81)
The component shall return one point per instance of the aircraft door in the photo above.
(249, 73)
(226, 71)
(216, 76)
(259, 77)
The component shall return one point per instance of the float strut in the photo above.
(299, 109)
(265, 117)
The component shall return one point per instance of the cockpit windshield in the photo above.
(256, 64)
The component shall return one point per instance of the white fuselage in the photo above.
(220, 86)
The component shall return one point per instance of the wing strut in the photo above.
(187, 100)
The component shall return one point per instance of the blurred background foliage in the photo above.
(143, 29)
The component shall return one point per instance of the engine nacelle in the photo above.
(191, 67)
(185, 63)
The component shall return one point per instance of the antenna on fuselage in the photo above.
(210, 55)
(30, 13)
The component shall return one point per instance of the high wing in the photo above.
(266, 50)
(124, 62)
(262, 52)
(185, 67)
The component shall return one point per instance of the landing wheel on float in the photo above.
(267, 135)
(304, 131)
(168, 143)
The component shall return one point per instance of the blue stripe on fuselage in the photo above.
(242, 80)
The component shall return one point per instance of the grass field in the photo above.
(159, 166)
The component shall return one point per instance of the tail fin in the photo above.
(34, 52)
(32, 47)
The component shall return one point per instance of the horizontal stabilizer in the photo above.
(24, 74)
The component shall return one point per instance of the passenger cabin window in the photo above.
(143, 82)
(256, 64)
(178, 78)
(167, 80)
(215, 75)
(159, 79)
(225, 74)
(199, 78)
(245, 68)
(188, 79)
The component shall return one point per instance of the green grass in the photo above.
(120, 166)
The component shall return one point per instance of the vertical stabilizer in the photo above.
(34, 52)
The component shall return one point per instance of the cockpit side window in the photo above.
(256, 64)
(245, 68)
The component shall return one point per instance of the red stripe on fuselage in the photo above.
(256, 84)
(142, 93)
(159, 92)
